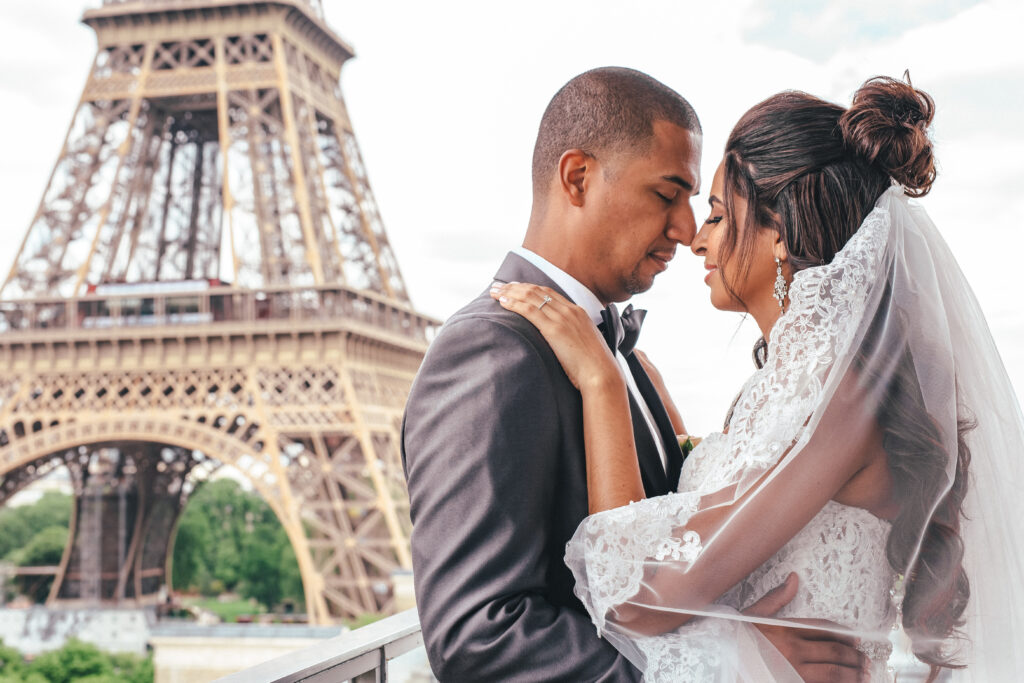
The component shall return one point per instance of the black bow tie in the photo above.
(621, 332)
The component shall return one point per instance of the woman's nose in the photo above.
(699, 245)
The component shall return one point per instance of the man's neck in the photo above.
(576, 290)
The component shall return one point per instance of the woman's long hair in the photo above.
(812, 171)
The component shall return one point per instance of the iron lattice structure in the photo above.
(207, 281)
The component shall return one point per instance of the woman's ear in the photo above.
(779, 250)
(573, 169)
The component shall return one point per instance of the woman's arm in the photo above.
(739, 535)
(613, 472)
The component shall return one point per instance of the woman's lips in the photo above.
(711, 271)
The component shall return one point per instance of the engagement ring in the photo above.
(547, 300)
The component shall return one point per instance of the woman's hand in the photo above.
(569, 331)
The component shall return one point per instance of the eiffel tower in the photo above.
(207, 281)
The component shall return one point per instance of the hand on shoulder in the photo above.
(569, 331)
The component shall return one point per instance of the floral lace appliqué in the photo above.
(686, 548)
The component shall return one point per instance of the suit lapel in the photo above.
(652, 474)
(673, 453)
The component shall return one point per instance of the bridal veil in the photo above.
(884, 347)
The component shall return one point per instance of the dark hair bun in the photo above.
(887, 126)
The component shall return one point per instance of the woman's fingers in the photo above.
(551, 312)
(568, 329)
(542, 306)
(532, 295)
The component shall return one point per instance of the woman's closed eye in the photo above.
(713, 220)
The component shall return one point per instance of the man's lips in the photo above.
(661, 258)
(711, 271)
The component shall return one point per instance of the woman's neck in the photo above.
(765, 316)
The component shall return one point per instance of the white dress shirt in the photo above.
(586, 300)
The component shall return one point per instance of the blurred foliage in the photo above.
(227, 610)
(19, 524)
(363, 620)
(230, 540)
(76, 662)
(44, 550)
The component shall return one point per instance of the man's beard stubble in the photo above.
(635, 284)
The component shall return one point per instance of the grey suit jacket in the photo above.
(492, 445)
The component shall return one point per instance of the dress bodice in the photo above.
(844, 574)
(839, 557)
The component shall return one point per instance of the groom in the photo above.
(493, 438)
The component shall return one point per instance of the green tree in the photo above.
(190, 568)
(19, 524)
(11, 663)
(73, 662)
(44, 550)
(76, 662)
(132, 669)
(291, 579)
(261, 565)
(229, 538)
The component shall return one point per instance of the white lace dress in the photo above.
(844, 575)
(840, 556)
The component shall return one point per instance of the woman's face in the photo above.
(735, 285)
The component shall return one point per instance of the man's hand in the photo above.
(818, 656)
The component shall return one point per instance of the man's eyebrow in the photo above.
(678, 181)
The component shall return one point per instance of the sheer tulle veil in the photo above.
(886, 339)
(993, 530)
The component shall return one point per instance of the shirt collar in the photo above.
(580, 295)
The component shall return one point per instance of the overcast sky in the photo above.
(446, 96)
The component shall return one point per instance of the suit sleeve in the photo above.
(482, 441)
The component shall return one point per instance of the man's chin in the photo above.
(637, 285)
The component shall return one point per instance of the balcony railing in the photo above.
(365, 655)
(175, 304)
(314, 5)
(368, 654)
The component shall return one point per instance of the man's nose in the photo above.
(682, 226)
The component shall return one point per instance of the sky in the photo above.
(446, 96)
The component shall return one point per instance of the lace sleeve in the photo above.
(610, 550)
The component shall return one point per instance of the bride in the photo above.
(876, 451)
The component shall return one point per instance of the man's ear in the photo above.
(574, 167)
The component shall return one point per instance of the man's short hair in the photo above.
(602, 110)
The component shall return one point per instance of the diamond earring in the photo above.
(781, 288)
